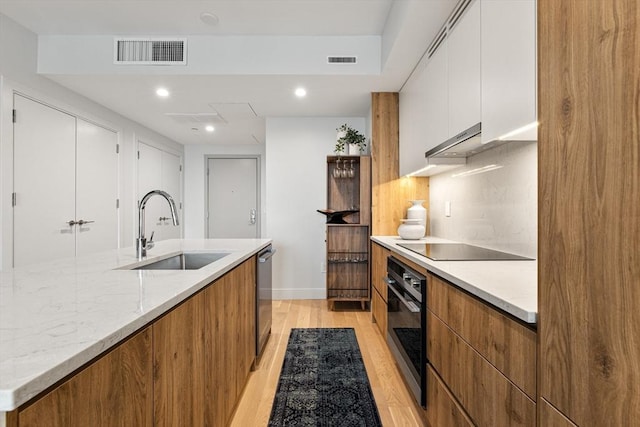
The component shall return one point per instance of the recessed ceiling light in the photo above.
(301, 92)
(209, 18)
(162, 92)
(209, 128)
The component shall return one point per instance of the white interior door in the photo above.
(159, 170)
(171, 174)
(232, 198)
(96, 188)
(44, 183)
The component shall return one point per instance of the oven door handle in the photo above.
(411, 306)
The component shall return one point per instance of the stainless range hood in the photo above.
(463, 145)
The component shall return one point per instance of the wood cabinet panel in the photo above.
(389, 192)
(179, 365)
(589, 209)
(507, 344)
(442, 408)
(115, 390)
(488, 397)
(550, 417)
(379, 256)
(204, 351)
(379, 312)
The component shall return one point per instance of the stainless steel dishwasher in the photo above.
(263, 298)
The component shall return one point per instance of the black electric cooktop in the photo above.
(459, 252)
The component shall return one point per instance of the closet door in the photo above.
(97, 189)
(158, 170)
(44, 183)
(171, 174)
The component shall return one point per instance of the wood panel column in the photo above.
(589, 210)
(389, 192)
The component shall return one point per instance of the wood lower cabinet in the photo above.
(488, 397)
(485, 360)
(443, 409)
(187, 368)
(505, 343)
(379, 256)
(379, 312)
(203, 352)
(114, 390)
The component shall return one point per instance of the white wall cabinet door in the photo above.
(436, 113)
(508, 68)
(463, 45)
(96, 188)
(159, 170)
(412, 105)
(232, 198)
(44, 183)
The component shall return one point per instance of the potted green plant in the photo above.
(349, 136)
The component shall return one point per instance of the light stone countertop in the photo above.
(57, 316)
(511, 286)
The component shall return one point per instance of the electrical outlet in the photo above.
(447, 208)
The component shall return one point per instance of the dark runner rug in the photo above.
(323, 382)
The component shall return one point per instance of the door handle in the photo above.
(82, 222)
(252, 216)
(163, 218)
(71, 223)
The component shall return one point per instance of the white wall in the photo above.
(296, 178)
(195, 183)
(18, 64)
(496, 209)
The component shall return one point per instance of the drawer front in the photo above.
(379, 312)
(442, 408)
(379, 256)
(507, 344)
(487, 395)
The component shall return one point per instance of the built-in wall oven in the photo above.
(406, 310)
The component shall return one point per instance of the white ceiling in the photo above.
(406, 28)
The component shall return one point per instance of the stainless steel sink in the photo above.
(184, 261)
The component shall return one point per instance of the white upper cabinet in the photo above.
(463, 45)
(436, 112)
(508, 68)
(423, 111)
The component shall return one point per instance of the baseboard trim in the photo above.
(297, 293)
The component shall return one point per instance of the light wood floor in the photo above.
(394, 402)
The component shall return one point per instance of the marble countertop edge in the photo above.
(19, 390)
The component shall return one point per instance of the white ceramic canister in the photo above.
(417, 211)
(411, 229)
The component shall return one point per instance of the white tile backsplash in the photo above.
(495, 208)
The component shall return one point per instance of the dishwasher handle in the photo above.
(264, 256)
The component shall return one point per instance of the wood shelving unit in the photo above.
(348, 244)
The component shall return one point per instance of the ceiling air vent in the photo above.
(150, 51)
(342, 59)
